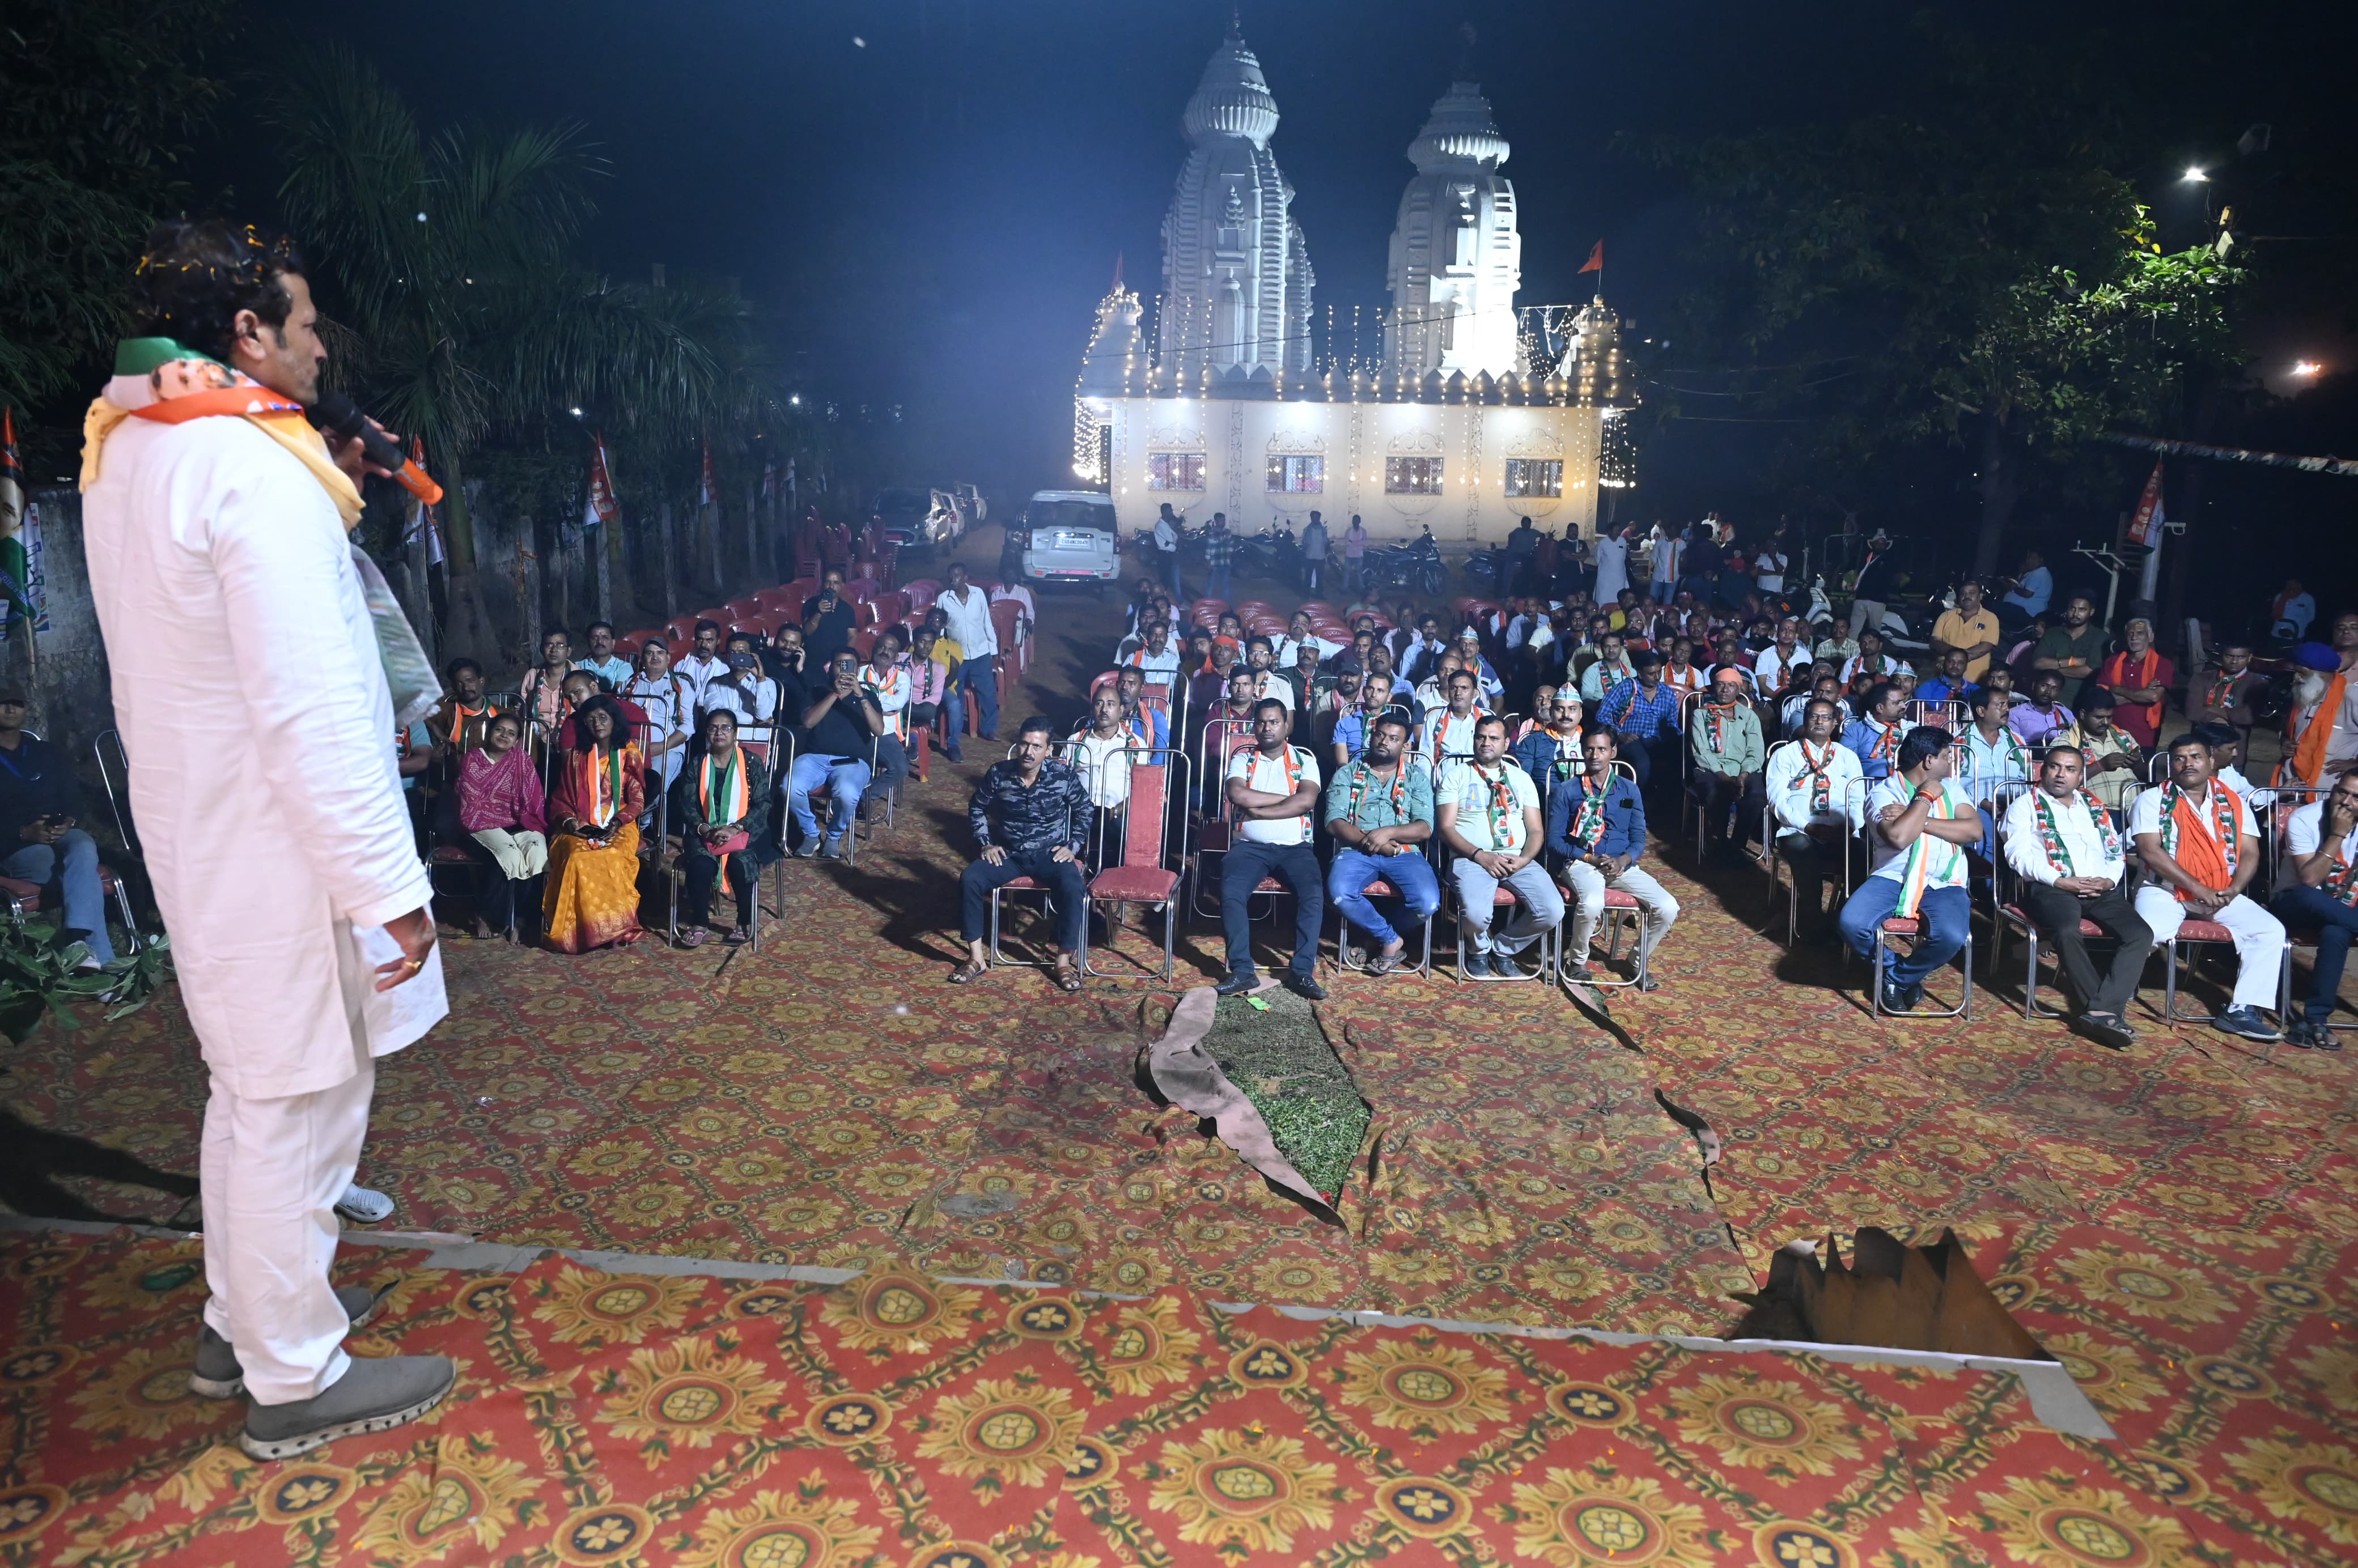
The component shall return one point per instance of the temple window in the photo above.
(1534, 476)
(1297, 476)
(1174, 470)
(1411, 476)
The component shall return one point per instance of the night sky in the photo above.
(930, 218)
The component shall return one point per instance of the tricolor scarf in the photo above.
(2309, 742)
(1887, 741)
(1441, 726)
(1822, 783)
(2342, 882)
(1500, 810)
(2209, 856)
(2050, 833)
(2222, 686)
(1362, 773)
(1916, 871)
(159, 379)
(2015, 757)
(721, 791)
(1588, 828)
(601, 770)
(1715, 719)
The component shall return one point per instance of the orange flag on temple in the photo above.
(1596, 261)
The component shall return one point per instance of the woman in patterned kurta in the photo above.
(593, 850)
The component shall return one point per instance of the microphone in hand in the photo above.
(336, 411)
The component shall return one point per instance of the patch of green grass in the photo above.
(1282, 1063)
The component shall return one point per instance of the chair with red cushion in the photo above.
(1912, 927)
(1379, 888)
(26, 898)
(2192, 933)
(1140, 876)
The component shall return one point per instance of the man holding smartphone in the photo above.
(39, 842)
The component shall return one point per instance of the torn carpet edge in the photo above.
(1319, 1115)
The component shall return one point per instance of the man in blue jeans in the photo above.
(1273, 788)
(40, 803)
(1379, 810)
(1918, 824)
(967, 618)
(1030, 816)
(2321, 891)
(838, 746)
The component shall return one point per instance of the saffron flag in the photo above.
(2145, 527)
(599, 507)
(1596, 261)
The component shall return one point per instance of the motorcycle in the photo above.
(1272, 552)
(1415, 566)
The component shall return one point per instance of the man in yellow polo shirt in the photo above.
(1968, 629)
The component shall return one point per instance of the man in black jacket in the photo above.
(39, 804)
(1029, 815)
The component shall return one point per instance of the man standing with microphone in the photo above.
(256, 711)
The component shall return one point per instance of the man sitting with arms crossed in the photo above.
(1597, 822)
(1918, 824)
(1817, 795)
(2200, 849)
(2062, 842)
(1273, 790)
(2322, 847)
(1449, 731)
(1727, 755)
(1029, 814)
(1488, 812)
(604, 662)
(2111, 764)
(1379, 809)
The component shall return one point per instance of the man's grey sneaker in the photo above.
(376, 1393)
(2244, 1022)
(365, 1206)
(217, 1374)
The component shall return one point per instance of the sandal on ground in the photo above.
(1383, 963)
(738, 936)
(1068, 977)
(967, 972)
(694, 937)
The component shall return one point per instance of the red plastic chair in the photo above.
(860, 589)
(1142, 877)
(920, 595)
(744, 608)
(892, 607)
(680, 630)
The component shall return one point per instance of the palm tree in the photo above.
(454, 258)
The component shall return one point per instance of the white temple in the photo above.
(1242, 399)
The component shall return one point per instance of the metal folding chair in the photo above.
(1024, 885)
(1621, 908)
(1140, 876)
(1911, 926)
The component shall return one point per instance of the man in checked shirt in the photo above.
(1029, 815)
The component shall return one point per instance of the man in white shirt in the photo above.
(1670, 543)
(2065, 847)
(1783, 663)
(2200, 849)
(968, 610)
(1769, 569)
(702, 666)
(1487, 811)
(2320, 889)
(1102, 752)
(1166, 550)
(1450, 732)
(1158, 661)
(1818, 796)
(1287, 650)
(2029, 594)
(662, 696)
(1611, 668)
(1918, 825)
(1612, 564)
(1268, 680)
(269, 805)
(1273, 789)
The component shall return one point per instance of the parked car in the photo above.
(912, 519)
(972, 509)
(1069, 537)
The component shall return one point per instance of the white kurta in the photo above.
(258, 725)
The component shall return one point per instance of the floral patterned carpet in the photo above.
(698, 1424)
(2176, 1222)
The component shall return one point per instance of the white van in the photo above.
(1069, 537)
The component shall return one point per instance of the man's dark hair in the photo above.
(1471, 677)
(2102, 697)
(1487, 720)
(194, 278)
(1924, 740)
(1396, 719)
(450, 671)
(1266, 703)
(2192, 738)
(1590, 730)
(2215, 733)
(1989, 694)
(1645, 659)
(1826, 702)
(1882, 691)
(704, 626)
(2049, 754)
(593, 626)
(1264, 642)
(1035, 725)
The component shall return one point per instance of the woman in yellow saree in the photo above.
(593, 847)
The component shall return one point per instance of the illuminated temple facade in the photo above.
(1449, 407)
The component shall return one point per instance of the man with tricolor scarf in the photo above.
(2200, 849)
(2322, 847)
(1596, 828)
(255, 690)
(1726, 753)
(2321, 731)
(1817, 795)
(1919, 824)
(2066, 848)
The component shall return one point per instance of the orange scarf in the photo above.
(2308, 759)
(2118, 675)
(2203, 850)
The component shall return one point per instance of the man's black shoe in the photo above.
(1477, 965)
(1305, 986)
(1896, 997)
(1504, 967)
(2106, 1029)
(1236, 985)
